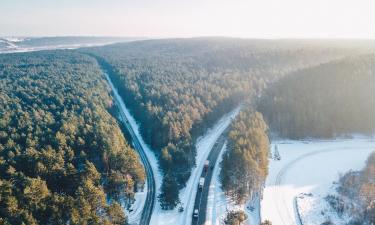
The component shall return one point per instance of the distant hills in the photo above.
(26, 44)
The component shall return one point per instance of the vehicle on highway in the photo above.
(196, 213)
(206, 164)
(201, 183)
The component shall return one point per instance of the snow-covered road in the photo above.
(308, 167)
(134, 217)
(204, 145)
(219, 204)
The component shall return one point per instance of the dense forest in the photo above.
(63, 157)
(244, 166)
(356, 194)
(325, 101)
(177, 88)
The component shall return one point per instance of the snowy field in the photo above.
(316, 210)
(309, 168)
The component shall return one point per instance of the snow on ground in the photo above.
(219, 204)
(134, 214)
(308, 167)
(140, 198)
(187, 195)
(13, 48)
(14, 39)
(316, 210)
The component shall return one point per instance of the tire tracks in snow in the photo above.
(279, 179)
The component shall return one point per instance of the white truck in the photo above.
(201, 183)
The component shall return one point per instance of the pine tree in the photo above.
(245, 163)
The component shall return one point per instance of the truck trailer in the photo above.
(201, 183)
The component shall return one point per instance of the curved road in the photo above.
(150, 199)
(279, 178)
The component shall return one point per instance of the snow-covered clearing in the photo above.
(219, 204)
(187, 195)
(308, 167)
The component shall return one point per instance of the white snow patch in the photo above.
(14, 39)
(308, 167)
(13, 48)
(134, 214)
(315, 210)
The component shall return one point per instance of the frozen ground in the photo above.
(134, 214)
(218, 204)
(187, 195)
(315, 210)
(308, 167)
(140, 198)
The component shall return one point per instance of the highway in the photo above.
(202, 194)
(150, 199)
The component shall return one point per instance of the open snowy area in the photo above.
(307, 170)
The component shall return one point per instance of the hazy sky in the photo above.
(181, 18)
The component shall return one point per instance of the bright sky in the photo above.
(186, 18)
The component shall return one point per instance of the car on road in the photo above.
(196, 213)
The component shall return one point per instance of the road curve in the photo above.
(280, 176)
(150, 199)
(202, 195)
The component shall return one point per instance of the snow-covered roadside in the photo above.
(134, 214)
(187, 195)
(308, 167)
(296, 182)
(204, 145)
(216, 201)
(219, 204)
(140, 198)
